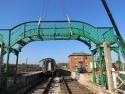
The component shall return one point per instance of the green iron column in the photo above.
(120, 65)
(102, 81)
(119, 61)
(17, 56)
(6, 70)
(93, 69)
(1, 58)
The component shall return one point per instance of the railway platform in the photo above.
(38, 83)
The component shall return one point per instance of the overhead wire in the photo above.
(63, 8)
(43, 14)
(44, 9)
(42, 17)
(65, 13)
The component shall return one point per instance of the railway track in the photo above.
(47, 86)
(73, 87)
(42, 88)
(61, 83)
(39, 88)
(70, 86)
(64, 84)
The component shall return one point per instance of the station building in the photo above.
(81, 60)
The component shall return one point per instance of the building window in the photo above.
(86, 57)
(75, 57)
(81, 58)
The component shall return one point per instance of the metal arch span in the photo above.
(56, 30)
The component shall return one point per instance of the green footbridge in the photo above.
(16, 38)
(26, 32)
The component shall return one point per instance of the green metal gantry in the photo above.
(27, 32)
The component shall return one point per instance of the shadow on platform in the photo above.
(61, 72)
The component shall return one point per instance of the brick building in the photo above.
(81, 59)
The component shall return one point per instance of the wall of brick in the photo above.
(76, 59)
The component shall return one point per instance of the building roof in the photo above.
(80, 54)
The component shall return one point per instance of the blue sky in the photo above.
(14, 12)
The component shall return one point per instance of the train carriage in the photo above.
(48, 66)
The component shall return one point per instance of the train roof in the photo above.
(47, 59)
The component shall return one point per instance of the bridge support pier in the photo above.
(108, 63)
